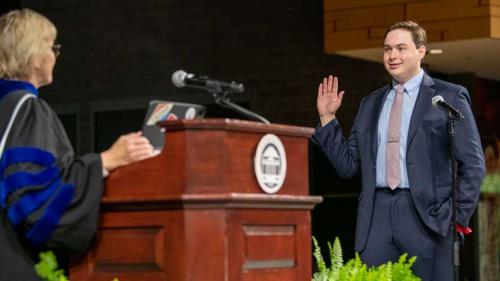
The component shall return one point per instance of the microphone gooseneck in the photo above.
(220, 91)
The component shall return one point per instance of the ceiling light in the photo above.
(435, 51)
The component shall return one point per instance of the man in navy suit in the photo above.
(405, 205)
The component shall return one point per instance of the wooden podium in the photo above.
(196, 211)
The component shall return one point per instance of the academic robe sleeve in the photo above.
(51, 197)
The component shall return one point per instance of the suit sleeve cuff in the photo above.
(334, 122)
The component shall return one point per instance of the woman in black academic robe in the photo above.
(49, 199)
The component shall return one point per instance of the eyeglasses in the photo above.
(56, 48)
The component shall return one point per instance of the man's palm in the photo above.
(329, 99)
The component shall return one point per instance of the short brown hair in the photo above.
(24, 35)
(417, 32)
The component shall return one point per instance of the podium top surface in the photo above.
(237, 125)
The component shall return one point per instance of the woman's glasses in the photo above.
(56, 48)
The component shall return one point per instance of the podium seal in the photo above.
(270, 163)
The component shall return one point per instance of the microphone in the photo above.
(439, 100)
(181, 78)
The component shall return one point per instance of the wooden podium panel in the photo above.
(270, 247)
(196, 211)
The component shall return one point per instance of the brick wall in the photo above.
(115, 50)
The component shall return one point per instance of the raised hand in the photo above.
(127, 149)
(329, 99)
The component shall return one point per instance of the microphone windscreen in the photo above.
(178, 78)
(437, 99)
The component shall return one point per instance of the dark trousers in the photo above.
(396, 228)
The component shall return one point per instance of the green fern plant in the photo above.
(322, 274)
(356, 270)
(47, 268)
(336, 256)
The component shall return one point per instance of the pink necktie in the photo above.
(393, 140)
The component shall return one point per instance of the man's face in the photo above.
(401, 57)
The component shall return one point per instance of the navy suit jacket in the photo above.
(427, 156)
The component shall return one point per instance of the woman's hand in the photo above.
(127, 149)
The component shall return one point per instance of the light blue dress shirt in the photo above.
(412, 87)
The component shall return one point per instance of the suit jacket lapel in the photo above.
(422, 104)
(377, 109)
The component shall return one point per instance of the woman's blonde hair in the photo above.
(24, 35)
